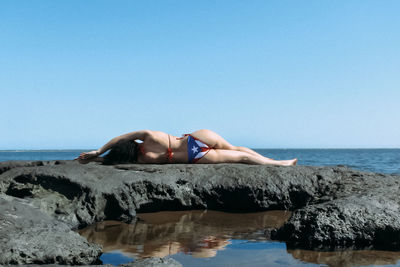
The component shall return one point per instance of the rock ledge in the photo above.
(334, 207)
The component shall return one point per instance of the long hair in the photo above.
(122, 152)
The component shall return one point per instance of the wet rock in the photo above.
(153, 262)
(148, 262)
(27, 235)
(347, 258)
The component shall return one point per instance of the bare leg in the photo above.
(233, 156)
(248, 150)
(216, 141)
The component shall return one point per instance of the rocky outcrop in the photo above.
(82, 194)
(347, 258)
(333, 206)
(28, 235)
(148, 262)
(153, 262)
(364, 213)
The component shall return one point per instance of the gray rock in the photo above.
(82, 194)
(364, 213)
(27, 235)
(333, 206)
(153, 262)
(347, 258)
(148, 262)
(8, 165)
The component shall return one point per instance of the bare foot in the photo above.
(291, 162)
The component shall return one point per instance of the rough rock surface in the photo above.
(28, 235)
(148, 262)
(333, 206)
(82, 194)
(365, 212)
(153, 262)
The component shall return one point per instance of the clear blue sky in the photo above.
(263, 74)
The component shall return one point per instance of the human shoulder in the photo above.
(156, 135)
(135, 135)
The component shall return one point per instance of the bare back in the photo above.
(155, 146)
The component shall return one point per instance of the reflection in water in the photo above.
(347, 258)
(202, 233)
(199, 233)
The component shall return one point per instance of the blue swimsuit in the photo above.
(196, 149)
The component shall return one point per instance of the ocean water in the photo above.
(374, 160)
(208, 238)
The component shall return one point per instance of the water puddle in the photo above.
(212, 238)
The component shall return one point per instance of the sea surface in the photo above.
(374, 160)
(211, 238)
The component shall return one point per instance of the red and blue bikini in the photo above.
(196, 149)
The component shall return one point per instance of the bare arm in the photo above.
(129, 136)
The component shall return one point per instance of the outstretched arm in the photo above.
(129, 136)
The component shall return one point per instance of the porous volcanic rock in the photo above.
(153, 262)
(148, 262)
(364, 213)
(80, 195)
(27, 235)
(333, 206)
(347, 258)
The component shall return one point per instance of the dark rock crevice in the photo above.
(57, 184)
(114, 211)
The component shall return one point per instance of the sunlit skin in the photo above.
(155, 143)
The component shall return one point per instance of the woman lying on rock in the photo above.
(203, 146)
